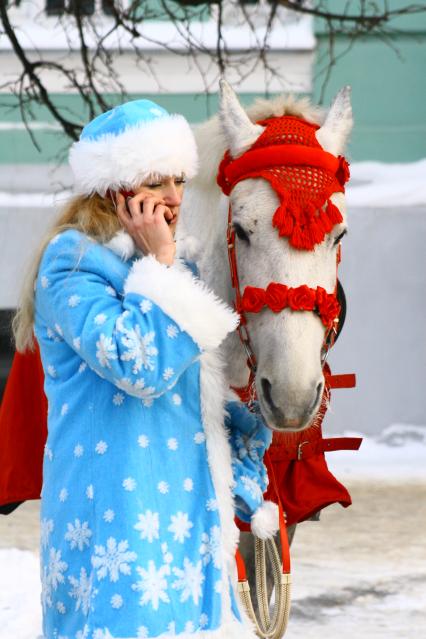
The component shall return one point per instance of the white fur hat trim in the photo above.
(164, 146)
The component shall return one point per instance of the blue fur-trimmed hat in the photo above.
(121, 148)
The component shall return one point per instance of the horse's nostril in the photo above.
(266, 390)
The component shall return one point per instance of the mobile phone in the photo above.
(127, 195)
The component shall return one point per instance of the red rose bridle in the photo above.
(304, 176)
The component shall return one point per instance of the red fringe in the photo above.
(334, 213)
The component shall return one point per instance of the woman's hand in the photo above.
(145, 219)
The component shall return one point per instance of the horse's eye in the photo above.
(339, 237)
(240, 232)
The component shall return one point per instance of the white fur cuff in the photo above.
(188, 301)
(265, 521)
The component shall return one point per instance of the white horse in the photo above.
(287, 345)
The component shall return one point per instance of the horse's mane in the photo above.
(211, 140)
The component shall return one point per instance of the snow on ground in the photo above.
(372, 184)
(376, 184)
(359, 572)
(398, 454)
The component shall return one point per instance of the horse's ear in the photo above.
(335, 131)
(240, 132)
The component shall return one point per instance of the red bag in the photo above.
(297, 468)
(23, 430)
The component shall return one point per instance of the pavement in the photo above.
(359, 572)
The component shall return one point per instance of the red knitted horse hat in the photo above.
(303, 175)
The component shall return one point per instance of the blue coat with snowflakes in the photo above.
(137, 521)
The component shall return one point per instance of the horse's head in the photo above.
(288, 224)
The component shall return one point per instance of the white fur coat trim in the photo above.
(186, 299)
(165, 146)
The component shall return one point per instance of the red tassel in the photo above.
(334, 213)
(298, 240)
(285, 221)
(317, 232)
(327, 223)
(279, 217)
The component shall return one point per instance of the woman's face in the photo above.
(169, 189)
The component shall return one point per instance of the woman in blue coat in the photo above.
(144, 464)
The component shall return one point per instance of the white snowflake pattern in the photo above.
(143, 441)
(56, 566)
(82, 591)
(78, 534)
(109, 515)
(188, 484)
(51, 370)
(52, 335)
(118, 399)
(140, 348)
(210, 548)
(176, 399)
(106, 351)
(148, 525)
(64, 409)
(77, 343)
(90, 491)
(101, 447)
(180, 526)
(129, 484)
(145, 306)
(252, 487)
(63, 494)
(44, 281)
(138, 388)
(172, 443)
(100, 319)
(163, 487)
(59, 330)
(116, 601)
(74, 301)
(153, 584)
(46, 527)
(82, 367)
(172, 331)
(142, 632)
(113, 560)
(46, 589)
(167, 555)
(189, 627)
(204, 620)
(110, 291)
(60, 607)
(48, 452)
(189, 580)
(199, 437)
(211, 505)
(168, 373)
(78, 450)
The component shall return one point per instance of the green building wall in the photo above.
(388, 88)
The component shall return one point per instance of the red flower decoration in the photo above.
(343, 174)
(328, 306)
(253, 299)
(276, 296)
(301, 298)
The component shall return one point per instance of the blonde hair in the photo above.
(93, 215)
